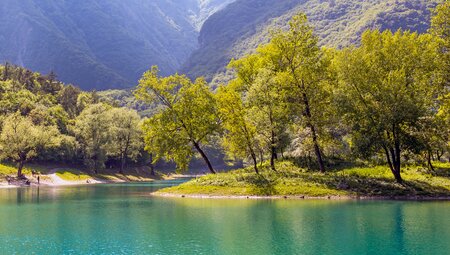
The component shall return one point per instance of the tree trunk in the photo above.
(393, 159)
(19, 168)
(310, 125)
(317, 150)
(152, 168)
(255, 161)
(273, 152)
(439, 154)
(430, 164)
(202, 153)
(122, 164)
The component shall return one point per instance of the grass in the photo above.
(291, 180)
(72, 175)
(10, 169)
(134, 174)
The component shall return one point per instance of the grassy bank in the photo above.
(291, 180)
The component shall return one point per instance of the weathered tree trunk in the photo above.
(122, 164)
(317, 150)
(439, 154)
(255, 161)
(430, 164)
(311, 126)
(205, 158)
(272, 159)
(19, 168)
(152, 168)
(393, 158)
(273, 151)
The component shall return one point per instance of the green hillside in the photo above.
(243, 25)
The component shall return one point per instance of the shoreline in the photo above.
(52, 180)
(303, 197)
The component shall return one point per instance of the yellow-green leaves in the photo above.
(21, 139)
(187, 117)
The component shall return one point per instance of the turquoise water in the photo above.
(123, 219)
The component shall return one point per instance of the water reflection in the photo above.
(123, 219)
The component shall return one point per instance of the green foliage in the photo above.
(21, 140)
(240, 137)
(387, 90)
(440, 27)
(91, 130)
(187, 118)
(88, 135)
(125, 135)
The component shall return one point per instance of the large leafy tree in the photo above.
(264, 97)
(22, 140)
(302, 68)
(240, 138)
(187, 118)
(91, 129)
(440, 27)
(387, 89)
(125, 133)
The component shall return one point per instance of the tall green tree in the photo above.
(303, 71)
(265, 97)
(240, 132)
(22, 140)
(387, 88)
(440, 27)
(91, 129)
(126, 138)
(187, 119)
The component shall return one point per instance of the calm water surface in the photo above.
(123, 219)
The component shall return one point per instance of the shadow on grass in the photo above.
(378, 186)
(259, 184)
(441, 172)
(331, 165)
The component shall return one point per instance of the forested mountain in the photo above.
(101, 44)
(244, 24)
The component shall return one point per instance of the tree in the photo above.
(21, 140)
(187, 118)
(68, 97)
(91, 129)
(440, 27)
(387, 88)
(240, 136)
(264, 97)
(125, 135)
(303, 70)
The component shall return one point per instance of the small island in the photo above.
(292, 181)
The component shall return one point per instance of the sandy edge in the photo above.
(301, 197)
(53, 180)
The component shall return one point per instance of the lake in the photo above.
(124, 219)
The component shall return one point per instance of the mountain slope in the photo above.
(244, 24)
(101, 44)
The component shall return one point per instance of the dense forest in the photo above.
(383, 101)
(47, 121)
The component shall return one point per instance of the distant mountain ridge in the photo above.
(100, 44)
(103, 44)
